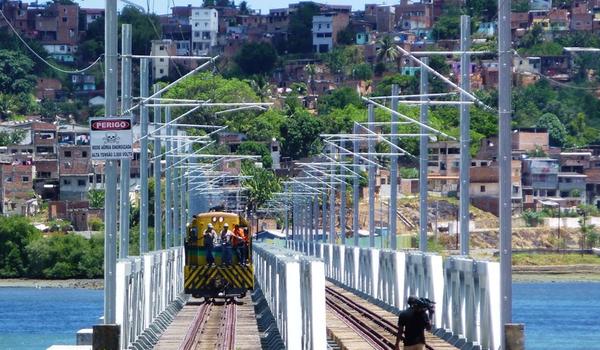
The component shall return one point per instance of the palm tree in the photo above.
(261, 87)
(387, 50)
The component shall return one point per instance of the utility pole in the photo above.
(393, 205)
(355, 189)
(315, 217)
(332, 203)
(465, 136)
(176, 189)
(371, 147)
(168, 182)
(110, 199)
(324, 210)
(157, 177)
(504, 159)
(183, 201)
(287, 212)
(125, 163)
(423, 159)
(342, 199)
(144, 92)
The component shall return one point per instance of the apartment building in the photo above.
(161, 66)
(57, 28)
(325, 29)
(205, 26)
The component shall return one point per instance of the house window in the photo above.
(482, 189)
(8, 179)
(80, 183)
(161, 59)
(68, 154)
(25, 178)
(66, 182)
(84, 154)
(161, 71)
(64, 19)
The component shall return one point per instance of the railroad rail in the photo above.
(213, 327)
(378, 330)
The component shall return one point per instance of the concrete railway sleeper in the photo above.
(334, 298)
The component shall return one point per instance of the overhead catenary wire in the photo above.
(43, 59)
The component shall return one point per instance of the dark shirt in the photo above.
(209, 240)
(412, 323)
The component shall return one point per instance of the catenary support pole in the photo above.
(287, 212)
(393, 205)
(342, 199)
(168, 183)
(315, 218)
(157, 180)
(355, 189)
(332, 203)
(176, 192)
(465, 137)
(183, 201)
(324, 219)
(371, 145)
(125, 163)
(504, 157)
(110, 199)
(144, 92)
(423, 155)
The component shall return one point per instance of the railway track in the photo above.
(213, 327)
(377, 329)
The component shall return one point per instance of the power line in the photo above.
(41, 58)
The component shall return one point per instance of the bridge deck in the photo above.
(212, 326)
(351, 335)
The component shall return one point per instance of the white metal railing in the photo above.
(294, 288)
(146, 286)
(466, 291)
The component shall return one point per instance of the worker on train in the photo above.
(209, 243)
(226, 244)
(238, 243)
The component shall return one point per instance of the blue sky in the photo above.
(163, 6)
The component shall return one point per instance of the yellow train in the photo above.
(218, 256)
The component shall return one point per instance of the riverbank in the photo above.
(38, 283)
(557, 273)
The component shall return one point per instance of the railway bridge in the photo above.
(319, 286)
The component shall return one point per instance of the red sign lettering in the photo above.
(111, 124)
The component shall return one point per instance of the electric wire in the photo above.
(41, 58)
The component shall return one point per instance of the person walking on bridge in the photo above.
(413, 322)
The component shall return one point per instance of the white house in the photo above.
(205, 25)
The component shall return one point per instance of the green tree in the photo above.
(147, 28)
(447, 27)
(387, 50)
(300, 134)
(266, 126)
(341, 120)
(338, 98)
(409, 173)
(261, 186)
(407, 85)
(484, 10)
(244, 9)
(556, 129)
(15, 234)
(213, 87)
(347, 36)
(256, 58)
(256, 149)
(16, 73)
(261, 87)
(96, 199)
(300, 28)
(362, 71)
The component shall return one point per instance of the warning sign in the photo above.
(111, 138)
